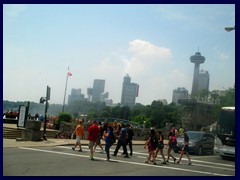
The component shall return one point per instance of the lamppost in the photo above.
(228, 29)
(42, 100)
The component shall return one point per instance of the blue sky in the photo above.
(151, 43)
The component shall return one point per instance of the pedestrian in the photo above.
(171, 144)
(107, 135)
(119, 127)
(122, 140)
(150, 143)
(93, 132)
(173, 130)
(130, 138)
(98, 142)
(79, 131)
(185, 149)
(160, 147)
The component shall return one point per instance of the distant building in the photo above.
(98, 89)
(179, 93)
(129, 92)
(76, 95)
(203, 81)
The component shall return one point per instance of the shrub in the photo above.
(66, 117)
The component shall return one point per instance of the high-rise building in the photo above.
(179, 93)
(98, 89)
(197, 59)
(203, 81)
(129, 92)
(76, 94)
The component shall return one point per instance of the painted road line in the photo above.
(146, 154)
(194, 164)
(127, 162)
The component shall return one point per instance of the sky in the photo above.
(150, 42)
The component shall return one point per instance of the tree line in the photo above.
(156, 114)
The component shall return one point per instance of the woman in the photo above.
(151, 147)
(185, 149)
(107, 138)
(170, 146)
(160, 147)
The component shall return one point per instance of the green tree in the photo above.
(63, 116)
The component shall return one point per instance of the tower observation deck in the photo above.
(197, 59)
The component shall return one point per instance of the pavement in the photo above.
(50, 142)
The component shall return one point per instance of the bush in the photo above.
(66, 117)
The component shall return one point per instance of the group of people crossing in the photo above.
(98, 131)
(155, 142)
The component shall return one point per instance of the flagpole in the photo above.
(65, 91)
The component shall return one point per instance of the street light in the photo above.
(228, 29)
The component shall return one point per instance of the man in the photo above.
(130, 137)
(122, 140)
(98, 142)
(93, 132)
(79, 131)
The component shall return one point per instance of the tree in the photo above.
(66, 117)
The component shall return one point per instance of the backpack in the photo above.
(173, 141)
(154, 141)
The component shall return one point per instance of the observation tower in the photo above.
(197, 59)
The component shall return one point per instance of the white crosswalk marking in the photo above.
(124, 161)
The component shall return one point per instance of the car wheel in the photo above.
(200, 150)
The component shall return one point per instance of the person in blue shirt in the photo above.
(107, 135)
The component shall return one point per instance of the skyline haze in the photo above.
(152, 43)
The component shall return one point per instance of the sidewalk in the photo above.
(50, 142)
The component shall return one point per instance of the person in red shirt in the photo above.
(93, 132)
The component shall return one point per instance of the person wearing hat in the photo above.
(79, 131)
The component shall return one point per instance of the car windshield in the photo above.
(194, 135)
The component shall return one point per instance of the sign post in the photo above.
(22, 116)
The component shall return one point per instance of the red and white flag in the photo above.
(69, 73)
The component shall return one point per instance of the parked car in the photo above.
(199, 142)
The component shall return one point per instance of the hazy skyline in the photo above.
(152, 43)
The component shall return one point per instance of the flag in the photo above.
(69, 73)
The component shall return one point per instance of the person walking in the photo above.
(130, 138)
(93, 132)
(185, 149)
(171, 144)
(160, 147)
(107, 135)
(79, 131)
(150, 143)
(122, 139)
(98, 142)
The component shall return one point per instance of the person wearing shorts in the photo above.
(160, 147)
(185, 149)
(79, 131)
(93, 132)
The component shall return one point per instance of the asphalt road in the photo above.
(63, 161)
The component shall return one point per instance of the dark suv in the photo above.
(199, 142)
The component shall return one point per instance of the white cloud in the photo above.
(144, 56)
(144, 62)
